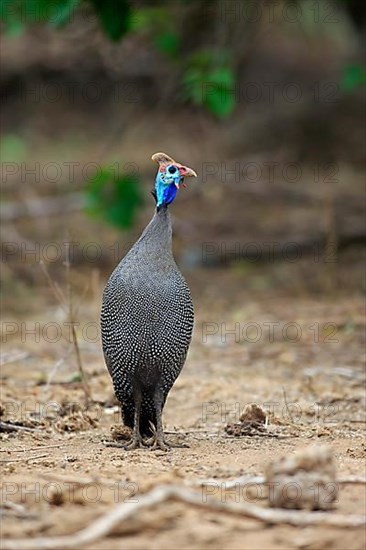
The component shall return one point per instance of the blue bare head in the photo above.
(169, 178)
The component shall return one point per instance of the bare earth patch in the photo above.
(58, 476)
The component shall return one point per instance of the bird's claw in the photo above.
(135, 443)
(157, 442)
(114, 444)
(161, 444)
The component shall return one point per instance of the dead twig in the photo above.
(352, 480)
(163, 493)
(14, 510)
(72, 322)
(261, 480)
(59, 295)
(34, 448)
(286, 405)
(23, 459)
(239, 481)
(66, 303)
(10, 427)
(80, 481)
(11, 357)
(55, 368)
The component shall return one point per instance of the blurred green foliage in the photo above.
(204, 69)
(354, 76)
(113, 197)
(113, 16)
(210, 82)
(12, 148)
(207, 80)
(160, 25)
(17, 14)
(207, 76)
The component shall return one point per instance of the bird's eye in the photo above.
(172, 169)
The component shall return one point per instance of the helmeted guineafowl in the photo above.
(147, 317)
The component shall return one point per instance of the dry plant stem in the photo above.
(286, 404)
(80, 481)
(113, 518)
(7, 358)
(55, 368)
(23, 459)
(331, 244)
(72, 322)
(35, 448)
(54, 287)
(9, 427)
(261, 480)
(14, 510)
(242, 480)
(66, 304)
(352, 480)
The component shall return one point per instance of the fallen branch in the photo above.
(23, 459)
(27, 449)
(239, 481)
(77, 480)
(11, 357)
(10, 427)
(67, 305)
(113, 518)
(261, 480)
(352, 480)
(16, 511)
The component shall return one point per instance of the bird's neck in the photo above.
(158, 234)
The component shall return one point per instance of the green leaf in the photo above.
(63, 11)
(353, 77)
(168, 42)
(220, 102)
(114, 16)
(148, 18)
(211, 87)
(12, 149)
(113, 197)
(11, 17)
(16, 14)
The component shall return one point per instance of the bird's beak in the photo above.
(187, 172)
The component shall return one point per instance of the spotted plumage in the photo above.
(147, 317)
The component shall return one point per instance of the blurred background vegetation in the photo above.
(265, 100)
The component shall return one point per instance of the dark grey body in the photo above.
(146, 322)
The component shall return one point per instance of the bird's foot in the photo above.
(135, 443)
(114, 444)
(159, 442)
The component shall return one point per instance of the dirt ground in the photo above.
(309, 376)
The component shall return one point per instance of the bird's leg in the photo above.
(159, 441)
(136, 440)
